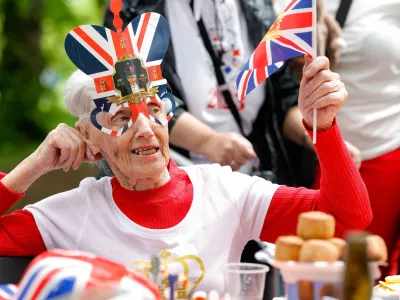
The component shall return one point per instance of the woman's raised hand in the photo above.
(63, 148)
(322, 89)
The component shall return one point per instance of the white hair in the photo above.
(78, 92)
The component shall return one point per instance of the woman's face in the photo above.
(142, 151)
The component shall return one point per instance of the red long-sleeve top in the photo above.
(342, 194)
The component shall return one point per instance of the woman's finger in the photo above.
(315, 66)
(323, 90)
(81, 154)
(89, 153)
(318, 80)
(82, 146)
(73, 149)
(64, 145)
(336, 98)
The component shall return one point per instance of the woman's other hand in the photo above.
(322, 89)
(63, 148)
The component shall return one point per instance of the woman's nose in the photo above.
(143, 127)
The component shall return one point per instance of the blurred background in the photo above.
(33, 70)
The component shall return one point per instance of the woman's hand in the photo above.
(322, 89)
(63, 148)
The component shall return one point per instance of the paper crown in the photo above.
(111, 57)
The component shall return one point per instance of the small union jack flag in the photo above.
(292, 34)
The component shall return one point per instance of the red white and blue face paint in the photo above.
(126, 70)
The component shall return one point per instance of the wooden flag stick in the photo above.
(314, 40)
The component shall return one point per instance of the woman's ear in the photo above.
(83, 129)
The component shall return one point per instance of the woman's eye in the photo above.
(120, 119)
(153, 110)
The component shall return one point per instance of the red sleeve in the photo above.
(342, 194)
(19, 235)
(7, 197)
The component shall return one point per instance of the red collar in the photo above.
(168, 190)
(159, 208)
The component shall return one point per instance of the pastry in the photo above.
(318, 250)
(315, 225)
(376, 248)
(340, 245)
(288, 248)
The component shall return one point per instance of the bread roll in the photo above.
(315, 225)
(376, 248)
(288, 248)
(318, 250)
(340, 245)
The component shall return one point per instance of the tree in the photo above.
(34, 66)
(20, 68)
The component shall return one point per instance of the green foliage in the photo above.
(34, 68)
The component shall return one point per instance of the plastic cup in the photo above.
(245, 281)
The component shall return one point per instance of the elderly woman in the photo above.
(201, 214)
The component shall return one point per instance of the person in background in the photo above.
(329, 42)
(370, 120)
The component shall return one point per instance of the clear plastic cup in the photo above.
(245, 281)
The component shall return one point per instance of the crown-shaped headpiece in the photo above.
(111, 57)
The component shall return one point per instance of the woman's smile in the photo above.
(146, 153)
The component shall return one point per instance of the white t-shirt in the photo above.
(195, 67)
(227, 211)
(370, 69)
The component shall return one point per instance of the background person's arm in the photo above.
(219, 147)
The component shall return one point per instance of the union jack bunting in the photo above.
(65, 274)
(292, 34)
(96, 50)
